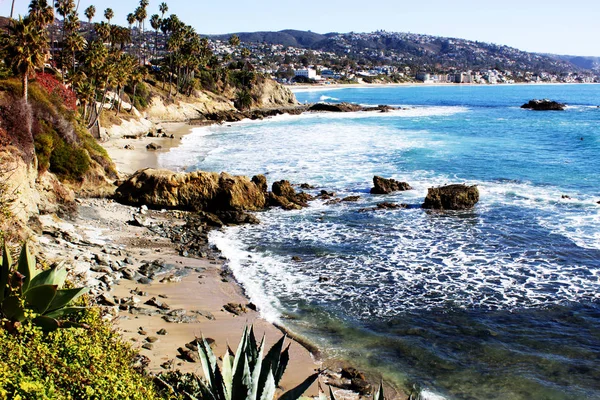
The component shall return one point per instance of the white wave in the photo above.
(328, 98)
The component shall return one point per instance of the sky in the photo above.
(549, 26)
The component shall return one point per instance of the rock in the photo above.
(105, 300)
(148, 346)
(341, 107)
(129, 147)
(151, 339)
(296, 258)
(153, 146)
(237, 217)
(128, 273)
(386, 186)
(306, 186)
(390, 206)
(323, 279)
(188, 355)
(235, 308)
(283, 195)
(101, 268)
(451, 197)
(252, 306)
(194, 191)
(102, 259)
(261, 182)
(333, 201)
(564, 196)
(544, 105)
(158, 304)
(162, 332)
(351, 198)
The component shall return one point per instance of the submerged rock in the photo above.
(451, 197)
(386, 186)
(544, 105)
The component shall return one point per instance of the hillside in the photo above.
(424, 51)
(591, 63)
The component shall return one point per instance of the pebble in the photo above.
(148, 346)
(163, 331)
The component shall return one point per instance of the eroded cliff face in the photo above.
(266, 94)
(271, 94)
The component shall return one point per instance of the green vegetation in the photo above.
(29, 295)
(243, 375)
(92, 363)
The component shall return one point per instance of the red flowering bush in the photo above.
(53, 86)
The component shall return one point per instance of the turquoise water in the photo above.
(499, 302)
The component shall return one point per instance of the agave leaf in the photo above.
(268, 391)
(331, 394)
(240, 387)
(52, 276)
(379, 394)
(295, 393)
(252, 348)
(26, 266)
(240, 350)
(63, 311)
(65, 296)
(256, 371)
(283, 362)
(270, 363)
(203, 352)
(47, 324)
(227, 371)
(5, 264)
(39, 298)
(12, 308)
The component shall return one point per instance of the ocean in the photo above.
(498, 302)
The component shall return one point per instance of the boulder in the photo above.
(341, 107)
(283, 195)
(153, 146)
(386, 186)
(194, 191)
(544, 105)
(261, 182)
(451, 197)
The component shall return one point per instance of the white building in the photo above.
(307, 73)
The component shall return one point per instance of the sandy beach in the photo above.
(202, 293)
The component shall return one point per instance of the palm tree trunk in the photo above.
(133, 97)
(25, 82)
(101, 105)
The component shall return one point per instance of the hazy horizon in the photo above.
(548, 28)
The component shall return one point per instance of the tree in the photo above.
(155, 23)
(109, 14)
(90, 12)
(40, 13)
(234, 40)
(163, 8)
(140, 15)
(25, 50)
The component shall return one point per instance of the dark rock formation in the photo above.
(544, 105)
(193, 191)
(153, 146)
(283, 195)
(261, 182)
(341, 107)
(386, 186)
(451, 197)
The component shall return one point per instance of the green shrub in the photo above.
(69, 161)
(77, 363)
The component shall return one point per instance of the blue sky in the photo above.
(542, 26)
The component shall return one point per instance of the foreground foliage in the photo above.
(243, 375)
(78, 363)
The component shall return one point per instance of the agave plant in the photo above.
(27, 293)
(246, 374)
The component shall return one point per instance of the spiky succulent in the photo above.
(27, 293)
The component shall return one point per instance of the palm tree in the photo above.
(40, 13)
(64, 8)
(155, 23)
(109, 14)
(163, 8)
(103, 31)
(140, 16)
(90, 12)
(85, 94)
(25, 51)
(234, 40)
(138, 76)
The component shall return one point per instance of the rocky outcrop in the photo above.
(386, 186)
(196, 191)
(269, 93)
(347, 107)
(544, 105)
(283, 195)
(235, 115)
(451, 197)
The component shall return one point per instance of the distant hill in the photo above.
(429, 52)
(288, 37)
(592, 63)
